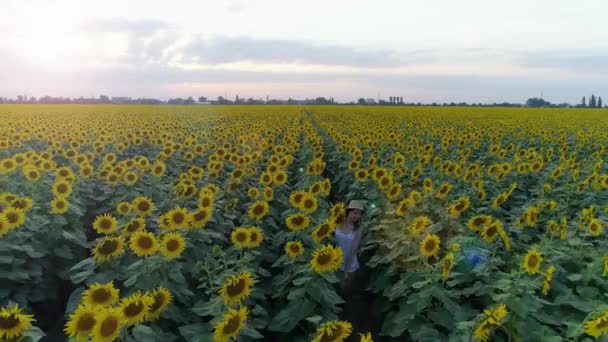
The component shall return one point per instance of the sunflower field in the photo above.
(215, 223)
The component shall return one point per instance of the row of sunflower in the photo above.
(448, 204)
(215, 223)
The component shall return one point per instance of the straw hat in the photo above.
(356, 204)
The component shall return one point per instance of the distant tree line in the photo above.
(594, 102)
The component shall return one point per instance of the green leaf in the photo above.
(213, 307)
(82, 270)
(196, 332)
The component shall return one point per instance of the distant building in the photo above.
(370, 101)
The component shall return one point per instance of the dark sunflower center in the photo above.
(108, 247)
(324, 259)
(86, 322)
(430, 245)
(172, 245)
(336, 331)
(297, 198)
(144, 242)
(178, 217)
(12, 217)
(253, 237)
(237, 288)
(491, 231)
(10, 322)
(241, 237)
(532, 260)
(478, 221)
(143, 206)
(101, 296)
(200, 215)
(295, 249)
(324, 229)
(205, 202)
(105, 224)
(459, 206)
(297, 221)
(308, 204)
(159, 300)
(109, 326)
(134, 309)
(158, 169)
(258, 209)
(232, 325)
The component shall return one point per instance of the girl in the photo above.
(348, 236)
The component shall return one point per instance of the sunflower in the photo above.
(338, 212)
(548, 279)
(500, 200)
(13, 323)
(105, 224)
(394, 192)
(490, 231)
(309, 204)
(448, 263)
(598, 326)
(429, 247)
(366, 338)
(280, 177)
(123, 208)
(143, 243)
(459, 206)
(205, 200)
(268, 193)
(158, 168)
(134, 308)
(323, 230)
(59, 205)
(476, 223)
(361, 175)
(161, 298)
(14, 217)
(504, 237)
(143, 206)
(295, 198)
(31, 173)
(326, 259)
(297, 222)
(428, 185)
(178, 218)
(419, 225)
(402, 207)
(253, 193)
(198, 218)
(8, 165)
(258, 210)
(595, 227)
(172, 245)
(333, 331)
(240, 237)
(256, 236)
(236, 288)
(135, 225)
(531, 216)
(444, 190)
(491, 319)
(230, 326)
(108, 248)
(532, 261)
(62, 188)
(81, 321)
(294, 249)
(3, 226)
(23, 203)
(266, 178)
(108, 324)
(100, 295)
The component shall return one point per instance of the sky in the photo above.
(425, 51)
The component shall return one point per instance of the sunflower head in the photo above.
(108, 248)
(532, 261)
(135, 307)
(333, 331)
(100, 295)
(236, 288)
(172, 245)
(230, 326)
(429, 247)
(258, 210)
(105, 224)
(143, 243)
(161, 298)
(13, 323)
(297, 222)
(294, 249)
(240, 237)
(81, 321)
(108, 324)
(326, 259)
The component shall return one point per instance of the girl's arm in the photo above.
(353, 249)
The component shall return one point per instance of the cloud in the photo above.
(581, 61)
(139, 27)
(219, 50)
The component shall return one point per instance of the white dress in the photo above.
(346, 242)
